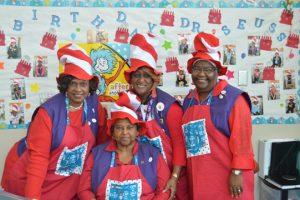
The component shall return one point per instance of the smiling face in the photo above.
(77, 91)
(124, 132)
(101, 64)
(204, 75)
(142, 82)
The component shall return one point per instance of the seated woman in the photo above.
(124, 168)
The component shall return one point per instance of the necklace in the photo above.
(75, 108)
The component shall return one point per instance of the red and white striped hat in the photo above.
(15, 107)
(76, 61)
(13, 39)
(142, 53)
(122, 112)
(206, 46)
(39, 58)
(129, 99)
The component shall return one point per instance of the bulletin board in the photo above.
(259, 44)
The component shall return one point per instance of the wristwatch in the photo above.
(237, 172)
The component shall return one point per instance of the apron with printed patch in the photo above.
(157, 137)
(124, 182)
(209, 158)
(64, 169)
(155, 134)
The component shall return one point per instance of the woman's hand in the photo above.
(171, 185)
(236, 185)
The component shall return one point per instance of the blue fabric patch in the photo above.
(71, 161)
(126, 190)
(156, 142)
(196, 138)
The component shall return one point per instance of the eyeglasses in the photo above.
(205, 70)
(138, 75)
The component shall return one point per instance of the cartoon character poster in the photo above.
(109, 65)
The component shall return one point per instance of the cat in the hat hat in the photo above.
(48, 162)
(217, 129)
(161, 112)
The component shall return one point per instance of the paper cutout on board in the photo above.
(167, 45)
(230, 74)
(268, 73)
(1, 64)
(214, 16)
(122, 35)
(167, 18)
(23, 67)
(286, 17)
(172, 64)
(293, 41)
(266, 43)
(35, 88)
(2, 38)
(49, 39)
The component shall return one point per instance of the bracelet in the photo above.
(174, 175)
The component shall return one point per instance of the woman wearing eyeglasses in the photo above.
(159, 110)
(217, 129)
(48, 162)
(124, 168)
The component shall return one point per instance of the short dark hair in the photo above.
(64, 81)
